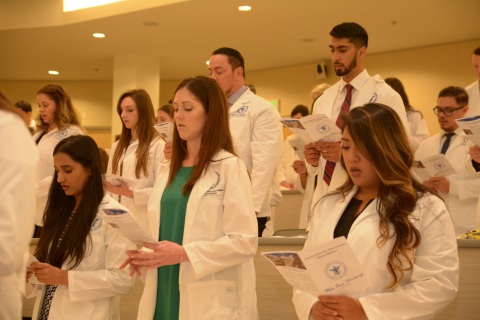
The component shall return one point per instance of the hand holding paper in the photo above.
(165, 130)
(312, 128)
(125, 223)
(329, 269)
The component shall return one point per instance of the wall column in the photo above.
(134, 71)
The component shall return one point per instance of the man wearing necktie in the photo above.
(356, 87)
(460, 190)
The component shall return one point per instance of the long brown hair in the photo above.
(65, 113)
(145, 131)
(74, 244)
(216, 132)
(378, 133)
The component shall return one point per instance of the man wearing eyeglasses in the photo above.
(460, 191)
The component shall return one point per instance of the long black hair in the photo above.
(74, 244)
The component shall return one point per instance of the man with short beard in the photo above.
(348, 47)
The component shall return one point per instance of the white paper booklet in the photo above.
(115, 179)
(298, 145)
(330, 269)
(125, 223)
(32, 279)
(315, 127)
(471, 127)
(165, 130)
(433, 166)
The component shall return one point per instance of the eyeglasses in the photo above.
(447, 111)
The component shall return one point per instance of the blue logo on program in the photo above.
(335, 270)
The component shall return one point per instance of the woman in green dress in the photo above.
(201, 211)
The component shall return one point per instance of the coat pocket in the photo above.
(212, 300)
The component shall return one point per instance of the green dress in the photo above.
(173, 207)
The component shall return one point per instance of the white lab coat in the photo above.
(418, 128)
(462, 199)
(19, 164)
(285, 171)
(305, 210)
(475, 173)
(473, 99)
(141, 187)
(45, 148)
(220, 239)
(424, 291)
(367, 89)
(258, 138)
(95, 285)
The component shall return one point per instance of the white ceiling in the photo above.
(36, 36)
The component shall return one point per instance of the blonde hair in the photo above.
(65, 113)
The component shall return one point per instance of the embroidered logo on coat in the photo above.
(96, 224)
(240, 112)
(214, 191)
(62, 134)
(374, 97)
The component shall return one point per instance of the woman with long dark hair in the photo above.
(79, 254)
(400, 231)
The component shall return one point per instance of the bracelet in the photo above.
(181, 253)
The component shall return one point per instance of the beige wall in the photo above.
(424, 72)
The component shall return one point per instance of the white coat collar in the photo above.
(341, 204)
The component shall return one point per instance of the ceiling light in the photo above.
(207, 62)
(244, 8)
(150, 24)
(72, 5)
(99, 35)
(53, 72)
(307, 40)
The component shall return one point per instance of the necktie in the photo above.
(446, 144)
(330, 166)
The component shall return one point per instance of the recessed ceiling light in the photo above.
(72, 5)
(53, 72)
(150, 24)
(307, 40)
(244, 8)
(99, 35)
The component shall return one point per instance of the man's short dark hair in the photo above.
(354, 32)
(235, 58)
(476, 51)
(300, 109)
(460, 95)
(24, 105)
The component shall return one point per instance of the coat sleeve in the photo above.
(465, 188)
(470, 168)
(239, 241)
(434, 280)
(419, 129)
(107, 282)
(267, 148)
(140, 196)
